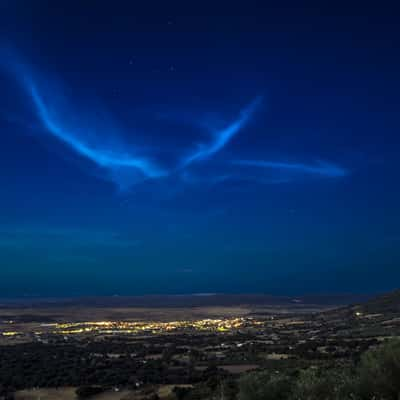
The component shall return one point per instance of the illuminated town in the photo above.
(132, 327)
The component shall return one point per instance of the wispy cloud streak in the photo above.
(223, 136)
(81, 130)
(104, 157)
(88, 132)
(320, 168)
(93, 134)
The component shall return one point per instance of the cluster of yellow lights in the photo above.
(108, 327)
(10, 333)
(138, 327)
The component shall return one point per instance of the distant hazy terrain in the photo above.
(191, 300)
(184, 307)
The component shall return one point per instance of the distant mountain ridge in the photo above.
(192, 300)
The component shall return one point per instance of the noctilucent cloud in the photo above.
(101, 141)
(176, 152)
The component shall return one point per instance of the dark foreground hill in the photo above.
(388, 303)
(381, 309)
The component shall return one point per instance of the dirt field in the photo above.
(238, 369)
(69, 394)
(166, 390)
(234, 368)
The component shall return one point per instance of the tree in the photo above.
(264, 386)
(180, 392)
(379, 372)
(84, 392)
(331, 384)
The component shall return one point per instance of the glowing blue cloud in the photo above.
(223, 136)
(99, 139)
(321, 168)
(92, 133)
(103, 157)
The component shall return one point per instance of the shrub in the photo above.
(377, 377)
(379, 372)
(332, 384)
(180, 392)
(264, 386)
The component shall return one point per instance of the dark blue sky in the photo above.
(182, 149)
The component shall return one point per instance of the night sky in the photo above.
(198, 149)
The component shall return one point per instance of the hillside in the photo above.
(388, 303)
